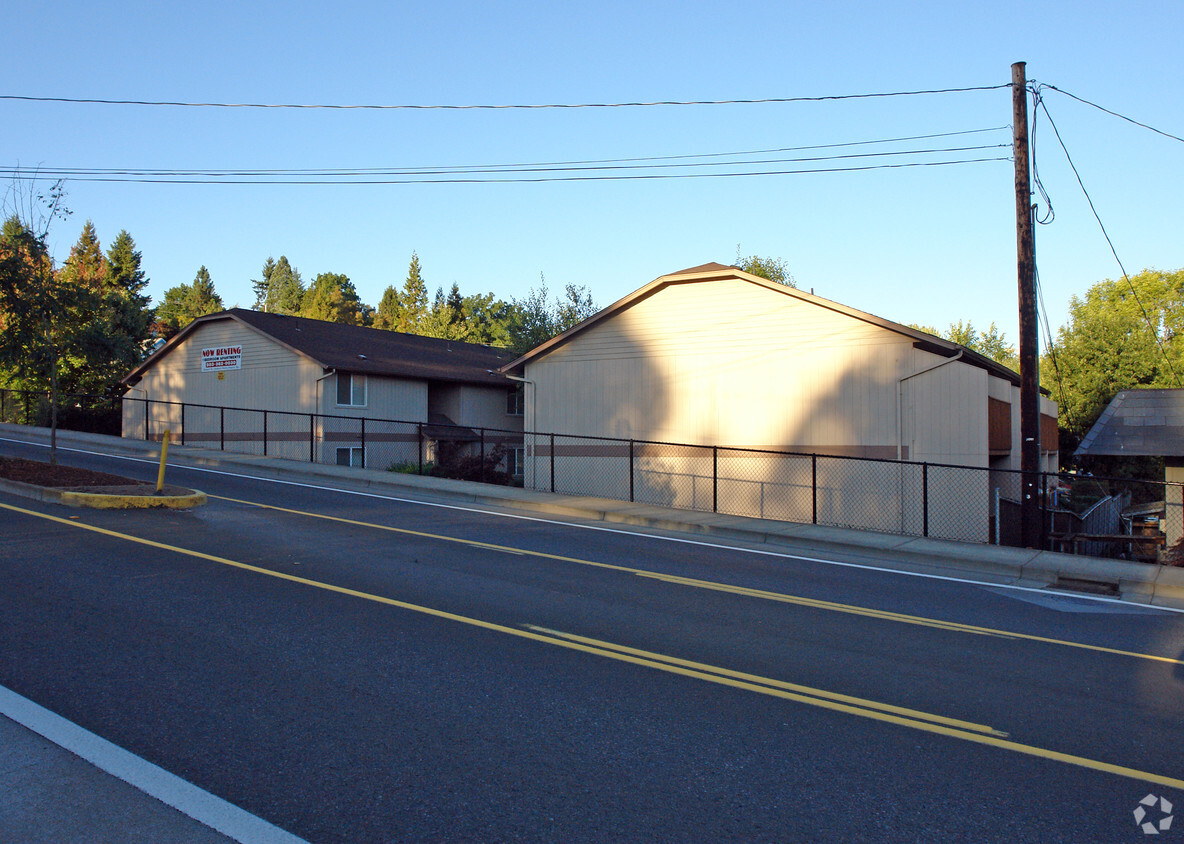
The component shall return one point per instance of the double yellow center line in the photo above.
(821, 698)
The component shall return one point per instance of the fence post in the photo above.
(814, 486)
(925, 499)
(221, 429)
(182, 423)
(419, 445)
(363, 442)
(1044, 514)
(630, 470)
(715, 479)
(552, 462)
(27, 414)
(265, 433)
(312, 438)
(482, 455)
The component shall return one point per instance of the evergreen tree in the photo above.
(389, 308)
(262, 285)
(413, 300)
(185, 303)
(124, 310)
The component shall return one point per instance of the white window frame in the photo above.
(356, 459)
(515, 457)
(357, 389)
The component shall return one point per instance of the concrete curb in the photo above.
(101, 501)
(1135, 582)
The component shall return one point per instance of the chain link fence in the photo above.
(1080, 513)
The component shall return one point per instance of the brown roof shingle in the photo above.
(367, 350)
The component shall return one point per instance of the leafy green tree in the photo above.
(538, 317)
(773, 269)
(332, 297)
(185, 303)
(487, 319)
(41, 311)
(1118, 336)
(991, 343)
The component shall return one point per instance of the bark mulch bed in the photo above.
(76, 480)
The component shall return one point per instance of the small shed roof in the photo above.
(1139, 423)
(715, 272)
(351, 348)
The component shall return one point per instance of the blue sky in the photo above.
(927, 245)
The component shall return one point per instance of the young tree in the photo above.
(185, 303)
(41, 310)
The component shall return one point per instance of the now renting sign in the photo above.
(221, 358)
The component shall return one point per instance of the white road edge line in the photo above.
(696, 542)
(153, 780)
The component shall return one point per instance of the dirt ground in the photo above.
(75, 479)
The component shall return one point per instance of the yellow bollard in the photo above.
(164, 453)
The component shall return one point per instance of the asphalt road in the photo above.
(357, 668)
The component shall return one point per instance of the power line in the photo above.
(64, 171)
(70, 171)
(21, 176)
(454, 107)
(1147, 317)
(1108, 111)
(76, 172)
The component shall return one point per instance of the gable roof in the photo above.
(1139, 423)
(718, 272)
(351, 348)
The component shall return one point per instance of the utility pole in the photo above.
(1029, 329)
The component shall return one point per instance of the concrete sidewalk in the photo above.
(49, 793)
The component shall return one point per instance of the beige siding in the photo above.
(945, 415)
(734, 363)
(272, 377)
(725, 362)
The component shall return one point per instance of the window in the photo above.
(514, 401)
(514, 459)
(351, 390)
(352, 456)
